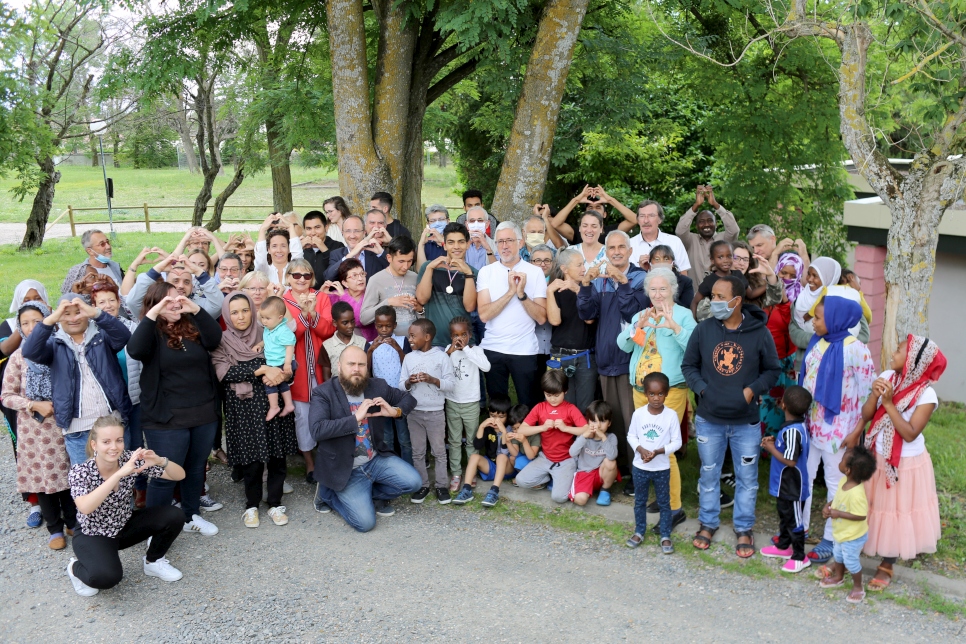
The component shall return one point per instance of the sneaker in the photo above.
(728, 478)
(310, 478)
(443, 495)
(677, 518)
(250, 518)
(162, 569)
(726, 500)
(35, 519)
(420, 495)
(465, 495)
(197, 524)
(454, 483)
(320, 506)
(383, 508)
(794, 566)
(209, 505)
(277, 514)
(629, 489)
(491, 498)
(603, 497)
(80, 587)
(57, 541)
(286, 488)
(776, 552)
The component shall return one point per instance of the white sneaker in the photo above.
(250, 518)
(278, 515)
(80, 587)
(197, 524)
(208, 504)
(286, 488)
(162, 569)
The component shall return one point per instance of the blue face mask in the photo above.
(721, 311)
(103, 259)
(438, 226)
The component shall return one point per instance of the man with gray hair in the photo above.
(699, 245)
(98, 249)
(650, 216)
(430, 244)
(511, 300)
(765, 244)
(481, 249)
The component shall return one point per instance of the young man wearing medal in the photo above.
(396, 287)
(447, 285)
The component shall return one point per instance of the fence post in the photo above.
(70, 214)
(147, 219)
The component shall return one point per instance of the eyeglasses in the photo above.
(255, 289)
(739, 259)
(505, 242)
(301, 276)
(542, 262)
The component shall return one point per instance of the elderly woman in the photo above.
(179, 394)
(350, 287)
(657, 338)
(258, 287)
(663, 256)
(278, 244)
(431, 243)
(253, 443)
(572, 340)
(312, 312)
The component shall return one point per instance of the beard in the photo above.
(355, 385)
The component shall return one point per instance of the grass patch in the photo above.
(929, 601)
(563, 518)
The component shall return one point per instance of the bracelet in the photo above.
(166, 461)
(524, 298)
(29, 410)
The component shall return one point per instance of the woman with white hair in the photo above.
(431, 243)
(572, 340)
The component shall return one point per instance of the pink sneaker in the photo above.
(776, 552)
(794, 566)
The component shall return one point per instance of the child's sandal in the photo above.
(855, 597)
(667, 547)
(635, 540)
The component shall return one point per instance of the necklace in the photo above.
(451, 276)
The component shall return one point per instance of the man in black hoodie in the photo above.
(730, 360)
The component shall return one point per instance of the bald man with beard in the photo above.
(357, 474)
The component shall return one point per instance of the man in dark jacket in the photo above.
(730, 361)
(361, 244)
(86, 378)
(316, 247)
(357, 474)
(612, 295)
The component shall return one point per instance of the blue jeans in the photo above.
(76, 445)
(398, 428)
(133, 439)
(383, 478)
(745, 442)
(847, 552)
(189, 448)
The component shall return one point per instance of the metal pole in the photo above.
(110, 213)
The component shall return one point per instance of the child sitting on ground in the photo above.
(559, 422)
(654, 433)
(427, 373)
(345, 336)
(523, 449)
(463, 403)
(492, 459)
(848, 511)
(788, 481)
(596, 453)
(385, 361)
(279, 348)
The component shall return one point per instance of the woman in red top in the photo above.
(789, 270)
(312, 313)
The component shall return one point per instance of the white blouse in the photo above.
(918, 446)
(261, 260)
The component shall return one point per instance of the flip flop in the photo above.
(861, 598)
(831, 584)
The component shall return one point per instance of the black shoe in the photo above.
(653, 508)
(383, 508)
(310, 478)
(420, 495)
(629, 489)
(443, 496)
(677, 518)
(726, 500)
(236, 474)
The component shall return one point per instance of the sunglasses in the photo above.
(301, 276)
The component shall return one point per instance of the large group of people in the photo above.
(381, 357)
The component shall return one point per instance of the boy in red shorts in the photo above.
(596, 454)
(558, 422)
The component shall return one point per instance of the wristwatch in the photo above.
(165, 463)
(399, 412)
(525, 296)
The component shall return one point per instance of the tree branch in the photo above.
(447, 82)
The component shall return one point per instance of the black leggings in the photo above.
(98, 564)
(252, 474)
(59, 511)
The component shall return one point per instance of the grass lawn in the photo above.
(83, 187)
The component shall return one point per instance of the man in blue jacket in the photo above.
(612, 295)
(80, 343)
(730, 360)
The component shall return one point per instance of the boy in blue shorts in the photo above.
(492, 458)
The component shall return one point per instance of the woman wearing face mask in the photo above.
(278, 244)
(42, 461)
(350, 287)
(431, 244)
(179, 394)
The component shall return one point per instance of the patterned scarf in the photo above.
(793, 288)
(924, 365)
(38, 384)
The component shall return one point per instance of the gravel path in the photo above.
(429, 573)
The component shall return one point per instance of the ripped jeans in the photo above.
(712, 440)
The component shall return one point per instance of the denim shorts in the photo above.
(847, 552)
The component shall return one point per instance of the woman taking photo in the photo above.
(572, 340)
(252, 442)
(101, 487)
(350, 287)
(179, 394)
(336, 210)
(312, 312)
(278, 244)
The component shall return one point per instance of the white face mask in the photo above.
(476, 226)
(534, 239)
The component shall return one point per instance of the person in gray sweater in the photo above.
(596, 454)
(182, 275)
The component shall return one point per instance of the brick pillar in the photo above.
(870, 267)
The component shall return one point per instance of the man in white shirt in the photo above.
(511, 300)
(650, 215)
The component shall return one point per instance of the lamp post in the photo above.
(108, 183)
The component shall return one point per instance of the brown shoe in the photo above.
(69, 532)
(140, 499)
(221, 456)
(57, 542)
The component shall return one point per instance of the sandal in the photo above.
(827, 583)
(823, 572)
(742, 549)
(667, 547)
(821, 553)
(702, 542)
(878, 585)
(856, 600)
(635, 540)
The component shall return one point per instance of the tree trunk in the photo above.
(95, 160)
(206, 134)
(181, 124)
(278, 156)
(116, 144)
(236, 180)
(527, 160)
(361, 170)
(40, 210)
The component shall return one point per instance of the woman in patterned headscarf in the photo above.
(903, 505)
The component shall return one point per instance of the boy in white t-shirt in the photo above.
(463, 402)
(654, 433)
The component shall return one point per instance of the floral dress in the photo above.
(42, 461)
(249, 438)
(857, 378)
